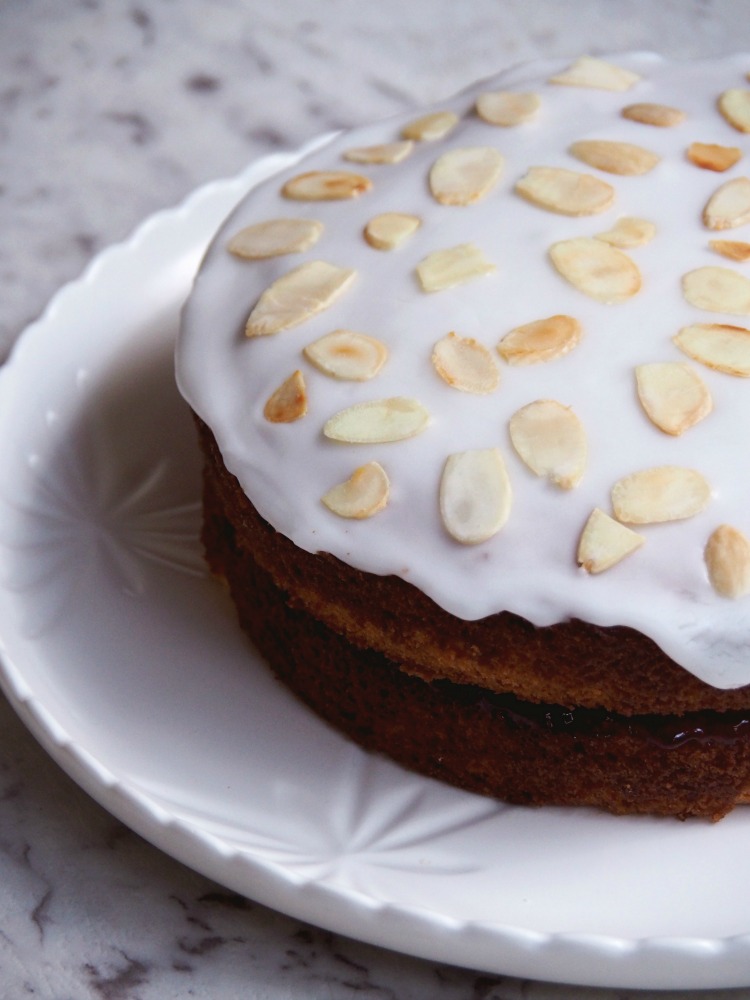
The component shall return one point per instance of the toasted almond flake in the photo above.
(390, 229)
(296, 296)
(615, 157)
(551, 441)
(506, 108)
(660, 115)
(465, 364)
(541, 340)
(629, 232)
(734, 104)
(717, 345)
(664, 493)
(729, 206)
(363, 494)
(605, 542)
(732, 249)
(385, 153)
(454, 266)
(431, 127)
(596, 269)
(673, 395)
(275, 237)
(710, 156)
(465, 175)
(289, 402)
(727, 556)
(378, 421)
(326, 185)
(588, 71)
(565, 191)
(346, 355)
(718, 289)
(475, 495)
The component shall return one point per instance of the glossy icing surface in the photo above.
(529, 566)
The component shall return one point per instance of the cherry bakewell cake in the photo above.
(472, 391)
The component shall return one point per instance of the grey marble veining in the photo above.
(109, 111)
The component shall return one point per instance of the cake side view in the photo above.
(470, 387)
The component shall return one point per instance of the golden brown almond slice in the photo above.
(390, 229)
(431, 127)
(710, 156)
(296, 296)
(551, 441)
(363, 494)
(541, 340)
(718, 289)
(605, 542)
(732, 249)
(734, 104)
(566, 192)
(729, 206)
(673, 395)
(454, 266)
(506, 108)
(346, 355)
(719, 346)
(727, 556)
(597, 269)
(465, 175)
(289, 402)
(660, 115)
(326, 185)
(622, 158)
(587, 71)
(378, 421)
(664, 493)
(629, 232)
(385, 153)
(475, 495)
(275, 237)
(465, 364)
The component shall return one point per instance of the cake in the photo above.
(472, 391)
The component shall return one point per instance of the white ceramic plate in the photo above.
(124, 659)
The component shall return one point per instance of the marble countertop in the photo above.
(110, 110)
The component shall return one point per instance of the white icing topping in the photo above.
(529, 566)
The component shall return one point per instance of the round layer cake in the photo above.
(472, 388)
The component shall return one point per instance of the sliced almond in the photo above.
(430, 127)
(378, 421)
(347, 355)
(605, 542)
(389, 230)
(565, 191)
(664, 493)
(729, 206)
(718, 289)
(734, 104)
(463, 176)
(718, 346)
(385, 153)
(596, 269)
(551, 441)
(541, 340)
(506, 108)
(588, 71)
(660, 115)
(275, 237)
(465, 364)
(673, 395)
(289, 402)
(727, 556)
(629, 232)
(326, 185)
(732, 249)
(446, 268)
(363, 494)
(615, 157)
(296, 296)
(475, 495)
(710, 156)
